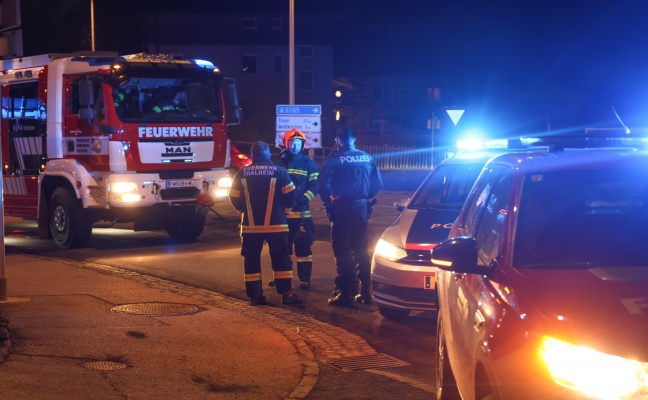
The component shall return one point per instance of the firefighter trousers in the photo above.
(301, 238)
(350, 241)
(252, 245)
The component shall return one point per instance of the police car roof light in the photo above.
(590, 138)
(481, 144)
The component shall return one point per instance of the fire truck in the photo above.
(101, 137)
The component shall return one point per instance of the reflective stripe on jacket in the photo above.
(264, 193)
(303, 173)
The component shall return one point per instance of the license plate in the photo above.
(427, 284)
(179, 183)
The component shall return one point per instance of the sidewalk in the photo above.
(67, 342)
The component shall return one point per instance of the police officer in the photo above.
(303, 173)
(348, 179)
(264, 193)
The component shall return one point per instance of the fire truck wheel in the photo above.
(68, 227)
(188, 228)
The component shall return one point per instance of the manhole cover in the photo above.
(157, 309)
(377, 360)
(104, 365)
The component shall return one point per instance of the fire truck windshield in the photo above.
(152, 99)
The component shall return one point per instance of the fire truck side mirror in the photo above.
(86, 100)
(236, 112)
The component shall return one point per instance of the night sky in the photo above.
(523, 63)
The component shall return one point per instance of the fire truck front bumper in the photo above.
(142, 190)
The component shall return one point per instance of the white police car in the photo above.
(543, 284)
(402, 276)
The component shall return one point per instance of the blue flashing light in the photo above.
(204, 63)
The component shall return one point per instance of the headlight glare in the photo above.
(387, 250)
(123, 187)
(225, 182)
(594, 373)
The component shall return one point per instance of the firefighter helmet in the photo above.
(293, 134)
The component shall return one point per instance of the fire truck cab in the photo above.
(101, 137)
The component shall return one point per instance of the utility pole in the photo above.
(92, 28)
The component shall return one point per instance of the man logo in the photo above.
(178, 151)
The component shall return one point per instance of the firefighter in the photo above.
(175, 103)
(349, 179)
(303, 173)
(264, 193)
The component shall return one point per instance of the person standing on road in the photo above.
(303, 173)
(348, 180)
(264, 193)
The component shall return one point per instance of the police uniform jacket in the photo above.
(264, 193)
(303, 173)
(349, 176)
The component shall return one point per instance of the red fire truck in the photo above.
(101, 137)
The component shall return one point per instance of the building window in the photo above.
(249, 63)
(249, 23)
(305, 51)
(305, 81)
(383, 94)
(276, 24)
(277, 63)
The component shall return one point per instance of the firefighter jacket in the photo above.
(349, 176)
(264, 193)
(303, 173)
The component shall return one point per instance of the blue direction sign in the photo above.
(299, 109)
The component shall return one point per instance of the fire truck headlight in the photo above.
(594, 373)
(123, 187)
(130, 197)
(225, 182)
(221, 189)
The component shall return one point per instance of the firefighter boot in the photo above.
(341, 301)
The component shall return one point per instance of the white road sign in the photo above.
(313, 139)
(303, 123)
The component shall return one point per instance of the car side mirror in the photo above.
(401, 204)
(86, 100)
(458, 254)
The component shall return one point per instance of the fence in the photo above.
(400, 157)
(387, 157)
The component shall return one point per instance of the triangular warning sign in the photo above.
(455, 115)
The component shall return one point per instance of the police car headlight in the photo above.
(386, 250)
(594, 373)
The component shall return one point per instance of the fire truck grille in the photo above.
(98, 194)
(180, 193)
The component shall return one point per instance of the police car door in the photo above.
(476, 311)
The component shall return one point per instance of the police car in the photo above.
(402, 276)
(543, 283)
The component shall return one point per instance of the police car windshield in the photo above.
(583, 219)
(446, 187)
(149, 99)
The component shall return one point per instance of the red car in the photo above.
(239, 156)
(543, 282)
